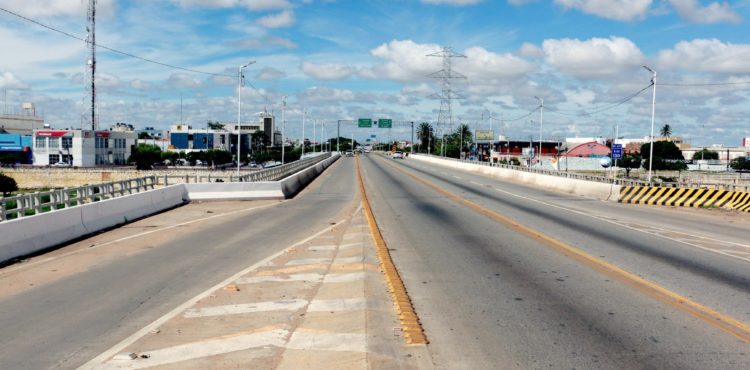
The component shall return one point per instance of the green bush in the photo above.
(7, 185)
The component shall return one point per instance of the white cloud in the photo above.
(594, 58)
(249, 4)
(266, 42)
(404, 60)
(621, 10)
(580, 97)
(10, 81)
(481, 64)
(327, 71)
(707, 55)
(184, 80)
(283, 19)
(530, 50)
(325, 94)
(452, 2)
(691, 11)
(269, 74)
(55, 8)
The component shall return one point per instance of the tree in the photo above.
(462, 137)
(143, 135)
(666, 131)
(145, 156)
(667, 156)
(7, 185)
(426, 136)
(740, 164)
(214, 125)
(705, 154)
(258, 140)
(629, 161)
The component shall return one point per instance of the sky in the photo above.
(342, 60)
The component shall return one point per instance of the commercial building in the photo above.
(82, 148)
(22, 122)
(15, 148)
(186, 138)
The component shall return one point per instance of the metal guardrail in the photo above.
(602, 179)
(45, 201)
(269, 174)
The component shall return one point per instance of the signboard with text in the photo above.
(385, 123)
(365, 122)
(616, 151)
(485, 135)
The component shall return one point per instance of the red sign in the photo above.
(51, 133)
(102, 134)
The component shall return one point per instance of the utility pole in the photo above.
(541, 124)
(91, 43)
(653, 114)
(338, 135)
(239, 113)
(283, 127)
(304, 112)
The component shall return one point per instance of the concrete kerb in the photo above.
(602, 191)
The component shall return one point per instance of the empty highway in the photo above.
(501, 275)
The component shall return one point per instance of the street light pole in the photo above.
(541, 124)
(283, 127)
(338, 135)
(653, 114)
(304, 112)
(239, 113)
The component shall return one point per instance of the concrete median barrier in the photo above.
(592, 189)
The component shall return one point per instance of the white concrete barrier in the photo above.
(28, 235)
(585, 188)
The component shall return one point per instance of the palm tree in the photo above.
(463, 135)
(426, 136)
(666, 131)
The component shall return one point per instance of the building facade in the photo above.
(82, 148)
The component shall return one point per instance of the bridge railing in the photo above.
(30, 204)
(602, 179)
(268, 174)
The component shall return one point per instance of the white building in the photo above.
(82, 148)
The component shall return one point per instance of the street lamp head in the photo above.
(649, 69)
(248, 63)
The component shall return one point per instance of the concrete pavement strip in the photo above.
(322, 304)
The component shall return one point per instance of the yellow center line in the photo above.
(719, 320)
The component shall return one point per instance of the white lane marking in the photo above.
(345, 260)
(457, 177)
(321, 248)
(476, 183)
(236, 309)
(317, 341)
(24, 265)
(328, 305)
(350, 245)
(636, 229)
(344, 278)
(307, 261)
(279, 279)
(211, 347)
(191, 302)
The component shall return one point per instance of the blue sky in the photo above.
(349, 59)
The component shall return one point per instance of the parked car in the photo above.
(397, 155)
(60, 164)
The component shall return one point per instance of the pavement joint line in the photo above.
(392, 277)
(307, 261)
(100, 359)
(236, 309)
(708, 315)
(277, 279)
(95, 246)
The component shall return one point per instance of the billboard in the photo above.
(485, 135)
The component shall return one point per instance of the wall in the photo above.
(571, 186)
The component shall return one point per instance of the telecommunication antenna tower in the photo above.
(446, 95)
(91, 62)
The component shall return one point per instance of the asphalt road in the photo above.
(490, 297)
(68, 321)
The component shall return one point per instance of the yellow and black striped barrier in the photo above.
(686, 197)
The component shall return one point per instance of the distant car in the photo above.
(60, 164)
(397, 155)
(349, 153)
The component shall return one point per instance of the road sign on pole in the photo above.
(365, 122)
(616, 151)
(385, 123)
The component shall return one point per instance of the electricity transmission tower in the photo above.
(446, 94)
(90, 75)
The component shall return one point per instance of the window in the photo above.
(67, 142)
(54, 158)
(54, 143)
(41, 142)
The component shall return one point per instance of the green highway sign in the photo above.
(365, 122)
(385, 123)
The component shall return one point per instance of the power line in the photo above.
(112, 49)
(606, 108)
(707, 84)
